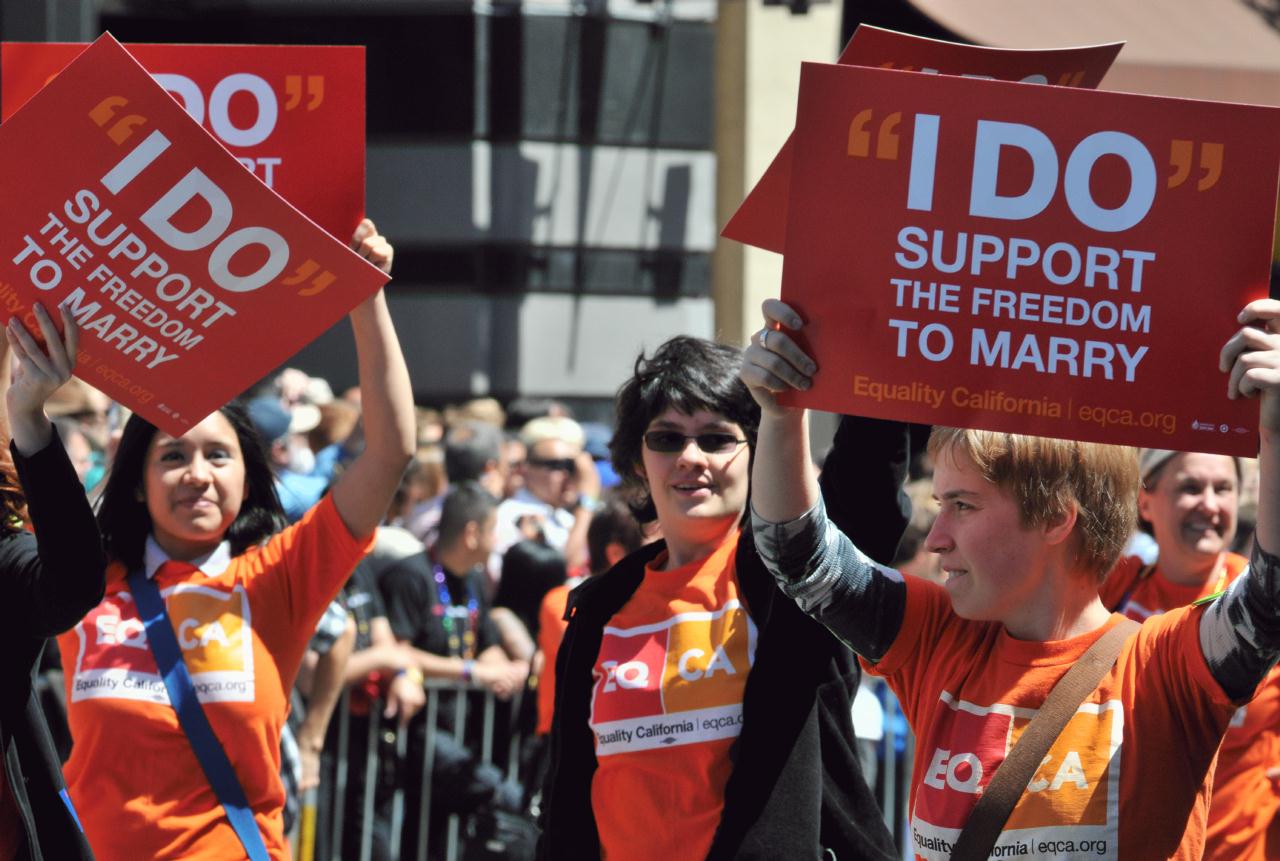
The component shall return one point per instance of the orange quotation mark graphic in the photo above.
(293, 91)
(305, 271)
(886, 137)
(1180, 156)
(106, 109)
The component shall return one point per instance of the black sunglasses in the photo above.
(668, 442)
(566, 464)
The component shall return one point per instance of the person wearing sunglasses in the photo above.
(698, 713)
(560, 492)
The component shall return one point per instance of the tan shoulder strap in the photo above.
(1010, 780)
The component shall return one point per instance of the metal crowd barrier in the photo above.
(895, 751)
(309, 822)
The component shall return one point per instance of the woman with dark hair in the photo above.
(697, 714)
(51, 579)
(124, 516)
(197, 517)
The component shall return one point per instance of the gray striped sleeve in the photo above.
(1240, 632)
(818, 567)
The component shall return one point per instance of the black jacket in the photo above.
(48, 587)
(796, 786)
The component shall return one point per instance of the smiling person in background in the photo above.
(1191, 501)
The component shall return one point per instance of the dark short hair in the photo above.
(530, 569)
(123, 518)
(464, 503)
(611, 523)
(469, 448)
(685, 374)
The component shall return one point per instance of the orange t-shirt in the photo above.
(1127, 776)
(1245, 800)
(551, 625)
(1156, 594)
(133, 776)
(667, 705)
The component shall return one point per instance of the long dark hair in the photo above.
(685, 374)
(123, 518)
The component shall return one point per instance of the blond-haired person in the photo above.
(560, 493)
(1028, 529)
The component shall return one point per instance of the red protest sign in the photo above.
(190, 279)
(294, 115)
(761, 219)
(1037, 260)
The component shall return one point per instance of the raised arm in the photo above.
(37, 375)
(784, 484)
(1240, 633)
(365, 489)
(56, 578)
(813, 561)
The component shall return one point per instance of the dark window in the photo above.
(606, 82)
(419, 68)
(507, 268)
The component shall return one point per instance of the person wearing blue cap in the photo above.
(283, 431)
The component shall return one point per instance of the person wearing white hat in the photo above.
(1191, 500)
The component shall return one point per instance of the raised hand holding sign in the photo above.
(176, 262)
(1036, 260)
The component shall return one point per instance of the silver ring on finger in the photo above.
(764, 335)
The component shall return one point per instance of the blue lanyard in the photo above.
(182, 696)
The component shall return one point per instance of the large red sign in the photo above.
(1039, 260)
(761, 219)
(294, 115)
(190, 279)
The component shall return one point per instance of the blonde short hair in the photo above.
(552, 427)
(1046, 476)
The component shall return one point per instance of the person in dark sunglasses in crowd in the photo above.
(560, 493)
(698, 713)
